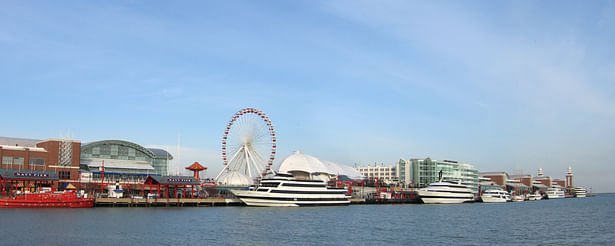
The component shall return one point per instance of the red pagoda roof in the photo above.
(196, 166)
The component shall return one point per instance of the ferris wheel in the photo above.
(248, 144)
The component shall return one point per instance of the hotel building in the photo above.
(387, 174)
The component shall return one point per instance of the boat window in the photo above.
(304, 185)
(272, 184)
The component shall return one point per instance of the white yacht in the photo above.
(283, 190)
(445, 192)
(494, 195)
(580, 192)
(553, 193)
(517, 198)
(534, 197)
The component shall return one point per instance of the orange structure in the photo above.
(196, 168)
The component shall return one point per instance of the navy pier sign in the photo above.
(31, 175)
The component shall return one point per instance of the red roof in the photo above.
(196, 166)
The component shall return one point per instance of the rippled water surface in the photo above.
(572, 221)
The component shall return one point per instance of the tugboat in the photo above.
(47, 199)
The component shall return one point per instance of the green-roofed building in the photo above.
(124, 161)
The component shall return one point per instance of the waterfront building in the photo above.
(542, 179)
(558, 182)
(123, 161)
(387, 174)
(518, 184)
(499, 178)
(525, 179)
(487, 184)
(419, 173)
(30, 163)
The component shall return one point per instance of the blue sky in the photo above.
(505, 86)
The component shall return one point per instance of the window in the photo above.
(18, 160)
(64, 174)
(37, 161)
(7, 160)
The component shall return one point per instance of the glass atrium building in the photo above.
(123, 161)
(419, 173)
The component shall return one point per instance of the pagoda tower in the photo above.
(196, 168)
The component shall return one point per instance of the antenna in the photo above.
(178, 154)
(167, 161)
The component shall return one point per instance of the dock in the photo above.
(164, 202)
(214, 202)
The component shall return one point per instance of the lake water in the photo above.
(549, 222)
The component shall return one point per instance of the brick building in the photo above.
(27, 157)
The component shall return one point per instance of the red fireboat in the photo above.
(47, 199)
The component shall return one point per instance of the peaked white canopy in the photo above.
(235, 178)
(299, 161)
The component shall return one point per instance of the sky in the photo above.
(504, 85)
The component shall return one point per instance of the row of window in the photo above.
(17, 160)
(64, 174)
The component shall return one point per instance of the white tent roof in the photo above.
(234, 178)
(299, 161)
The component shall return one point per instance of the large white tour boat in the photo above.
(445, 192)
(301, 180)
(554, 193)
(580, 192)
(283, 190)
(493, 195)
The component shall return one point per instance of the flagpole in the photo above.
(102, 180)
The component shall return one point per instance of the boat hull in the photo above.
(490, 199)
(430, 197)
(79, 203)
(47, 200)
(517, 199)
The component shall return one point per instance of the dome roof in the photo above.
(234, 178)
(299, 161)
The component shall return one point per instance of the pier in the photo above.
(164, 202)
(216, 202)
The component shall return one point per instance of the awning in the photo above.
(171, 180)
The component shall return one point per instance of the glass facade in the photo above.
(425, 171)
(116, 152)
(123, 150)
(161, 165)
